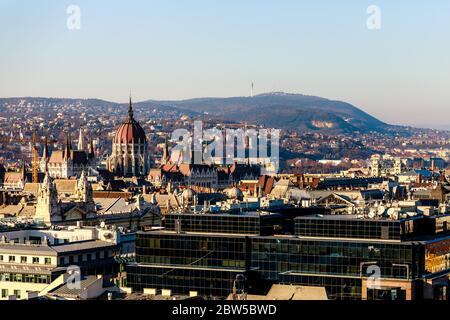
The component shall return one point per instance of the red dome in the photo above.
(130, 131)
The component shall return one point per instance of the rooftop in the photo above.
(26, 249)
(34, 249)
(353, 217)
(74, 293)
(84, 245)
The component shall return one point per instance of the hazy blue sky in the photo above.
(167, 49)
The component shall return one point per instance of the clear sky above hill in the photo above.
(174, 49)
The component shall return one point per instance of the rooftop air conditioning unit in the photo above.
(166, 292)
(150, 291)
(193, 294)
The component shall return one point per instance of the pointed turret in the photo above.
(46, 184)
(67, 147)
(43, 161)
(45, 149)
(70, 142)
(91, 148)
(81, 146)
(130, 111)
(82, 182)
(48, 207)
(165, 157)
(85, 193)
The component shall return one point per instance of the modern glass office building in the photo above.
(181, 262)
(249, 223)
(338, 265)
(352, 258)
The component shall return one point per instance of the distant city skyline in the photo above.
(172, 50)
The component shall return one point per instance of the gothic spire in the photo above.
(45, 150)
(91, 148)
(67, 147)
(165, 152)
(70, 142)
(130, 110)
(81, 146)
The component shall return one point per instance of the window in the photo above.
(43, 279)
(48, 261)
(35, 260)
(1, 257)
(5, 293)
(12, 259)
(23, 259)
(16, 277)
(384, 232)
(17, 293)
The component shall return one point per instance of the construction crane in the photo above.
(35, 158)
(34, 143)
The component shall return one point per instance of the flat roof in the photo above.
(209, 234)
(27, 249)
(227, 214)
(16, 248)
(336, 240)
(84, 245)
(352, 217)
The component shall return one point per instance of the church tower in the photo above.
(48, 208)
(85, 194)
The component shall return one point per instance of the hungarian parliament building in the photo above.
(130, 158)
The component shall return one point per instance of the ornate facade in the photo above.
(129, 156)
(202, 176)
(66, 163)
(50, 208)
